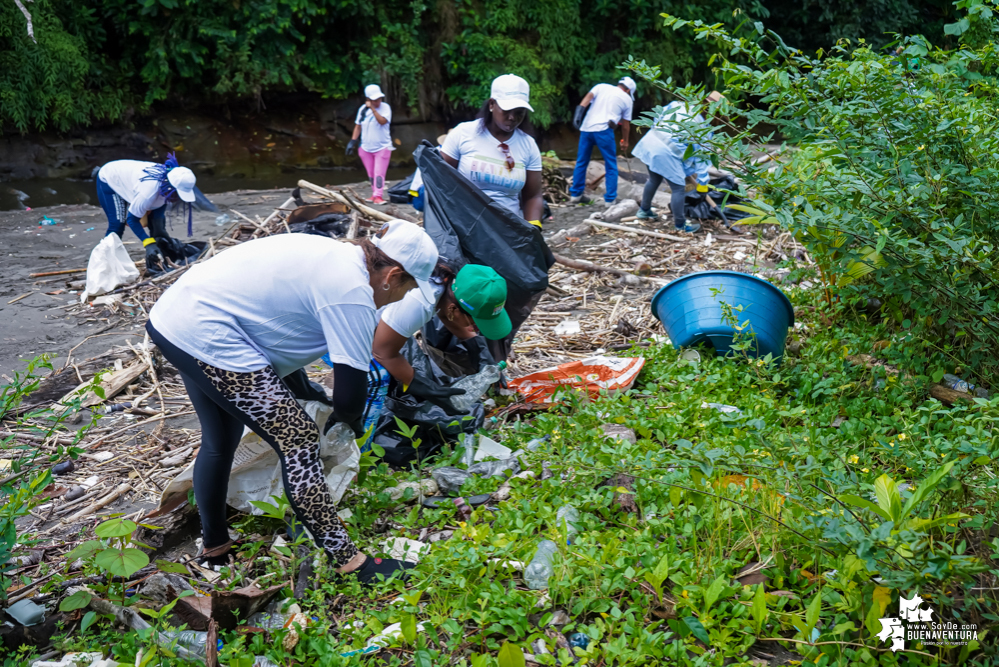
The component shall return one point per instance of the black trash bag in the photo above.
(696, 204)
(468, 226)
(399, 193)
(434, 426)
(177, 252)
(333, 225)
(451, 355)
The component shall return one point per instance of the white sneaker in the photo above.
(580, 199)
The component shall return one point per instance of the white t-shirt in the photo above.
(375, 136)
(282, 301)
(125, 178)
(610, 103)
(408, 315)
(481, 161)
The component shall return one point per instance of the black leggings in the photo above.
(677, 200)
(226, 401)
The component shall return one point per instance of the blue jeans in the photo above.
(604, 141)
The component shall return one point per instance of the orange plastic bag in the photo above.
(593, 375)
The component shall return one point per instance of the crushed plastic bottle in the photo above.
(266, 620)
(957, 384)
(475, 386)
(223, 219)
(579, 640)
(539, 570)
(568, 515)
(193, 641)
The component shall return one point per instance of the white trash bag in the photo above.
(256, 469)
(109, 267)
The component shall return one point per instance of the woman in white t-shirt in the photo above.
(372, 129)
(505, 163)
(496, 155)
(238, 326)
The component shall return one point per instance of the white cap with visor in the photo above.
(511, 92)
(412, 247)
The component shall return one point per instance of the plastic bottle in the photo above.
(468, 457)
(193, 641)
(267, 620)
(539, 570)
(957, 384)
(568, 515)
(338, 437)
(475, 386)
(222, 219)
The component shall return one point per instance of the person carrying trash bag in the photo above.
(662, 150)
(237, 324)
(372, 131)
(129, 190)
(603, 109)
(485, 204)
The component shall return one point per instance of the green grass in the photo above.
(715, 493)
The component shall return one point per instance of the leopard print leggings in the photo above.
(285, 426)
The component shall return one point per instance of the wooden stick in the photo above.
(283, 207)
(601, 223)
(18, 298)
(582, 265)
(336, 196)
(355, 221)
(65, 272)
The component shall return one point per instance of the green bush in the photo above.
(892, 183)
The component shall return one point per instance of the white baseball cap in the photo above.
(628, 83)
(182, 179)
(413, 248)
(511, 92)
(373, 92)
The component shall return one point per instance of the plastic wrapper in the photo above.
(109, 267)
(449, 480)
(495, 468)
(591, 376)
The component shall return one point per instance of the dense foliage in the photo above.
(108, 59)
(892, 182)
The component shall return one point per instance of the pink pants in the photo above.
(376, 164)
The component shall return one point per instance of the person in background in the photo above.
(372, 130)
(130, 190)
(505, 163)
(239, 324)
(662, 150)
(416, 186)
(604, 108)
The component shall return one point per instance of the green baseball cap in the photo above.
(481, 292)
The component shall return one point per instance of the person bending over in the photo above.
(237, 324)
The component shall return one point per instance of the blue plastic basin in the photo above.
(690, 310)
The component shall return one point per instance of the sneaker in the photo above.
(377, 201)
(580, 199)
(610, 203)
(689, 228)
(646, 215)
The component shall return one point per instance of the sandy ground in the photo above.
(37, 324)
